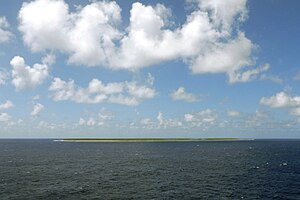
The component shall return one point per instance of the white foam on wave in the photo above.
(58, 140)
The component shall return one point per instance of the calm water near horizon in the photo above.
(44, 169)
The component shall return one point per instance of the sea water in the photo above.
(45, 169)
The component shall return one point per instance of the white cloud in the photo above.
(91, 35)
(81, 121)
(3, 76)
(225, 57)
(25, 76)
(5, 35)
(181, 94)
(283, 100)
(233, 113)
(127, 93)
(97, 120)
(86, 35)
(166, 123)
(272, 78)
(204, 117)
(4, 117)
(160, 118)
(37, 109)
(46, 125)
(49, 59)
(8, 104)
(248, 75)
(223, 13)
(188, 117)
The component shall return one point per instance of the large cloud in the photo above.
(25, 76)
(86, 35)
(127, 93)
(210, 40)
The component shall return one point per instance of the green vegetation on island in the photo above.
(148, 139)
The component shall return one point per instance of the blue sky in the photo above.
(194, 68)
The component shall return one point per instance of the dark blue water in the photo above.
(43, 169)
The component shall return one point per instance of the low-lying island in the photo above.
(149, 139)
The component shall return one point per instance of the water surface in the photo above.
(43, 169)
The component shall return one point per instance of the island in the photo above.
(149, 139)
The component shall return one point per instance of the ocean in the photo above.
(44, 169)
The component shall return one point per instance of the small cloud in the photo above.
(45, 125)
(181, 94)
(200, 118)
(4, 117)
(160, 118)
(272, 78)
(189, 117)
(8, 104)
(97, 119)
(3, 76)
(248, 75)
(49, 59)
(233, 113)
(37, 108)
(5, 35)
(283, 100)
(25, 76)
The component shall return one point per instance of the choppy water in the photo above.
(43, 169)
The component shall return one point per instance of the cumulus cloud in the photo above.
(5, 35)
(181, 94)
(283, 100)
(8, 104)
(126, 93)
(210, 40)
(25, 76)
(37, 109)
(86, 35)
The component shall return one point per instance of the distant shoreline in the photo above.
(149, 139)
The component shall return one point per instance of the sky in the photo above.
(160, 68)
